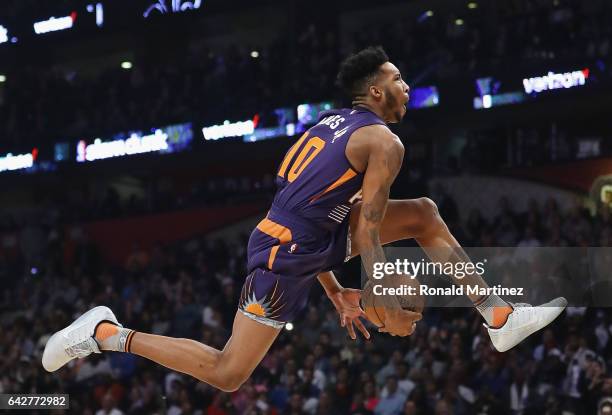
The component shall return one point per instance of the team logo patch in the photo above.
(254, 306)
(268, 306)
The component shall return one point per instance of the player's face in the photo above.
(396, 92)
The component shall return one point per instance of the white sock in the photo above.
(111, 337)
(494, 310)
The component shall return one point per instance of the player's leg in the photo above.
(420, 219)
(225, 369)
(405, 219)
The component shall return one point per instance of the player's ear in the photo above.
(375, 91)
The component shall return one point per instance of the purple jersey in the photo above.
(315, 180)
(306, 229)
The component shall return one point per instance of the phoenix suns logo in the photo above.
(268, 306)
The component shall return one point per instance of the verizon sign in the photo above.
(555, 81)
(16, 162)
(227, 129)
(54, 24)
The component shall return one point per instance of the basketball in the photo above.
(375, 306)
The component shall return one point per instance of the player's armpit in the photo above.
(384, 162)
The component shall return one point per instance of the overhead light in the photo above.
(425, 15)
(472, 5)
(126, 65)
(2, 78)
(459, 22)
(254, 54)
(289, 326)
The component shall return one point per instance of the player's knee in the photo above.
(230, 386)
(220, 373)
(229, 375)
(428, 207)
(232, 381)
(429, 214)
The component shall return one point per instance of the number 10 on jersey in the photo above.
(308, 150)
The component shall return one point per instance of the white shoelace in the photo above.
(81, 349)
(82, 343)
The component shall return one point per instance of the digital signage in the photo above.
(171, 6)
(493, 92)
(423, 97)
(161, 140)
(553, 80)
(12, 161)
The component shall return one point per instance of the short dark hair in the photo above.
(359, 69)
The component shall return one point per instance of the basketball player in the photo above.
(331, 204)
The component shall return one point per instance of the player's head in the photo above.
(369, 78)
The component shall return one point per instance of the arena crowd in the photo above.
(190, 289)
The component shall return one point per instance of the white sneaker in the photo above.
(524, 321)
(76, 340)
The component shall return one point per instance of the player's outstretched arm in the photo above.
(384, 160)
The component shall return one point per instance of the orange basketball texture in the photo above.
(374, 305)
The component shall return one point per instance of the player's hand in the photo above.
(399, 322)
(346, 302)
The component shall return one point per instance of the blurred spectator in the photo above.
(108, 407)
(393, 403)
